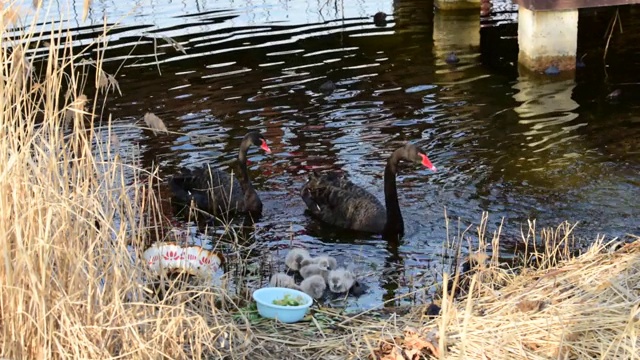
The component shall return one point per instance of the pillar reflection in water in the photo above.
(547, 108)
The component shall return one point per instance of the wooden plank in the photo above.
(546, 5)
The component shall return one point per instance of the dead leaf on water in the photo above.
(86, 62)
(176, 45)
(114, 83)
(103, 81)
(155, 123)
(106, 80)
(76, 108)
(80, 102)
(114, 141)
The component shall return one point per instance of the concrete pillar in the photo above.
(458, 4)
(547, 38)
(455, 31)
(459, 33)
(413, 17)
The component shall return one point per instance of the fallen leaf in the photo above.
(114, 83)
(114, 141)
(411, 347)
(176, 45)
(155, 123)
(530, 305)
(103, 81)
(384, 350)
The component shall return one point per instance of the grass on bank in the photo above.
(71, 289)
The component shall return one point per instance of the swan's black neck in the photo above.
(395, 223)
(251, 199)
(242, 160)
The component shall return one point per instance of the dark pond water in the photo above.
(514, 145)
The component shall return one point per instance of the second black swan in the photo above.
(337, 201)
(216, 191)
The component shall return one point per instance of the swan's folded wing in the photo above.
(339, 180)
(337, 201)
(343, 207)
(211, 189)
(323, 201)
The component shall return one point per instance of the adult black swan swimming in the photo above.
(339, 202)
(216, 191)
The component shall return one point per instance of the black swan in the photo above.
(217, 191)
(337, 201)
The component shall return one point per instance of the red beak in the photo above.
(265, 147)
(426, 162)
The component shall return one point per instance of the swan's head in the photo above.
(418, 156)
(258, 140)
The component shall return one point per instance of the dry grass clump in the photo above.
(586, 307)
(559, 306)
(71, 199)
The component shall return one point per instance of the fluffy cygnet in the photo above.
(328, 262)
(340, 280)
(314, 286)
(295, 257)
(282, 280)
(309, 270)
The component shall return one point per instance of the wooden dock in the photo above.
(547, 29)
(550, 5)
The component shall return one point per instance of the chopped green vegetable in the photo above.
(287, 301)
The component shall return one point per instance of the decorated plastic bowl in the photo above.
(190, 259)
(287, 314)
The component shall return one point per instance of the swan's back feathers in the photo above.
(333, 178)
(212, 190)
(335, 200)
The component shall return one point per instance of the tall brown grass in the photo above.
(71, 200)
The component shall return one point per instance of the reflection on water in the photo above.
(513, 145)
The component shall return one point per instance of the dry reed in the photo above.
(70, 201)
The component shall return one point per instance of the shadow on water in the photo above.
(504, 141)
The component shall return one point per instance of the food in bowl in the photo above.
(288, 301)
(290, 312)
